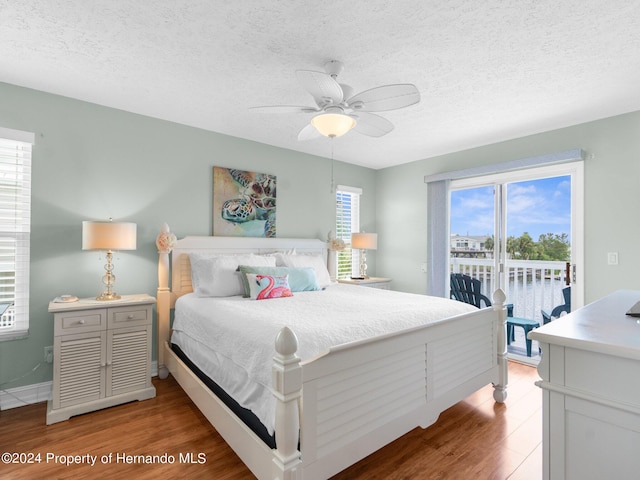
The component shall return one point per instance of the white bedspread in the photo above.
(232, 339)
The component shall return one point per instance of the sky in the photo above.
(534, 206)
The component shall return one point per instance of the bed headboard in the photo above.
(181, 267)
(181, 270)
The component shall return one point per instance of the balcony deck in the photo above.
(533, 286)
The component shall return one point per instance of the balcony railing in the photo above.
(532, 285)
(7, 319)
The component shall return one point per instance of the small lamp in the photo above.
(333, 122)
(364, 242)
(108, 236)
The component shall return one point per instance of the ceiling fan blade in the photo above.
(371, 125)
(321, 86)
(308, 133)
(387, 97)
(284, 109)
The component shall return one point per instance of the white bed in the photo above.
(336, 397)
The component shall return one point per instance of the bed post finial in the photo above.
(287, 388)
(500, 388)
(286, 342)
(165, 241)
(333, 245)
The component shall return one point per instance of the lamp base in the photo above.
(363, 264)
(109, 279)
(108, 296)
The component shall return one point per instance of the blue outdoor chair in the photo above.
(467, 289)
(557, 311)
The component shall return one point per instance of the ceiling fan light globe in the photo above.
(333, 124)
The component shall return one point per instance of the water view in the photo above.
(536, 226)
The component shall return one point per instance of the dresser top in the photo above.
(601, 326)
(87, 303)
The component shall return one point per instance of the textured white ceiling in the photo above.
(487, 70)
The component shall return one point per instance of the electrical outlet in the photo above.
(48, 354)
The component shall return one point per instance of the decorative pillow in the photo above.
(300, 279)
(217, 275)
(263, 287)
(313, 261)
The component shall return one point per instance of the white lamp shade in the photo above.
(333, 124)
(108, 235)
(364, 241)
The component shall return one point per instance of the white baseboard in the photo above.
(26, 395)
(36, 393)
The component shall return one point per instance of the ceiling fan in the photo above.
(338, 110)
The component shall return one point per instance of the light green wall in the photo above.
(92, 163)
(612, 202)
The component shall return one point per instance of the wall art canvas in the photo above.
(244, 203)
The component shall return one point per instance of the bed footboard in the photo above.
(359, 397)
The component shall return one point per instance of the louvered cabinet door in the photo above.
(128, 349)
(128, 359)
(79, 374)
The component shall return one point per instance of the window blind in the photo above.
(347, 222)
(15, 229)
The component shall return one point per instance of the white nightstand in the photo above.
(101, 354)
(373, 282)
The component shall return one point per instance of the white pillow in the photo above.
(217, 275)
(279, 255)
(314, 261)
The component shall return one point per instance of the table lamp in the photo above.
(108, 236)
(364, 241)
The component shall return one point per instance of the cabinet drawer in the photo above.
(66, 323)
(129, 316)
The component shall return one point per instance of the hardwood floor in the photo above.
(476, 438)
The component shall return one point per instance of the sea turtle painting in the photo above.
(253, 202)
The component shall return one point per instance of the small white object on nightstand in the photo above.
(65, 299)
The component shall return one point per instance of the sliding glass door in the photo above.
(537, 243)
(520, 231)
(473, 224)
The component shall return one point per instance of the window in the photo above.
(15, 228)
(347, 222)
(438, 194)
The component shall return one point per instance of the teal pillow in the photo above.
(300, 279)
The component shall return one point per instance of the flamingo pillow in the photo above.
(262, 287)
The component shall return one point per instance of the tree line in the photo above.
(549, 247)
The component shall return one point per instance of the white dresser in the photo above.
(590, 372)
(101, 354)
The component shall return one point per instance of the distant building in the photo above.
(469, 246)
